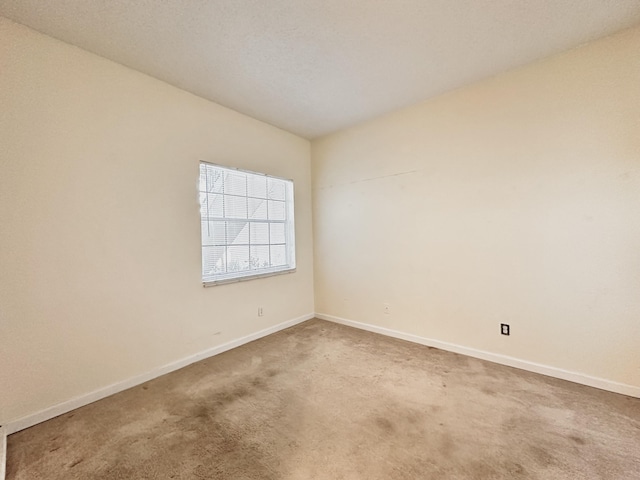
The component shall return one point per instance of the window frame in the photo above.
(289, 222)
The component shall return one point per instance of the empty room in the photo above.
(320, 239)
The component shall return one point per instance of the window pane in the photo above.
(213, 233)
(216, 205)
(257, 209)
(278, 255)
(276, 188)
(277, 233)
(237, 233)
(203, 204)
(235, 207)
(211, 179)
(235, 183)
(237, 258)
(259, 233)
(277, 210)
(259, 257)
(213, 260)
(257, 186)
(203, 179)
(211, 205)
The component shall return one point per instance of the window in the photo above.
(247, 224)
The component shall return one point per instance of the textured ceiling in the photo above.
(315, 66)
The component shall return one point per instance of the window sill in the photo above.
(214, 283)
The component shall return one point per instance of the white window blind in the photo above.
(247, 224)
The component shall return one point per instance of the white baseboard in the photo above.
(575, 377)
(77, 402)
(3, 452)
(82, 400)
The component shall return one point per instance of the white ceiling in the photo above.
(316, 66)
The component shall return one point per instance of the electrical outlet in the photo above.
(386, 308)
(504, 328)
(260, 312)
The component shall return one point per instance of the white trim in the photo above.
(213, 283)
(226, 167)
(82, 400)
(3, 452)
(601, 383)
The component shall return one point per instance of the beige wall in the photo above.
(515, 200)
(99, 223)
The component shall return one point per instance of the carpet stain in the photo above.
(515, 469)
(541, 456)
(384, 424)
(578, 440)
(324, 401)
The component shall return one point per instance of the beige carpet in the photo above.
(323, 401)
